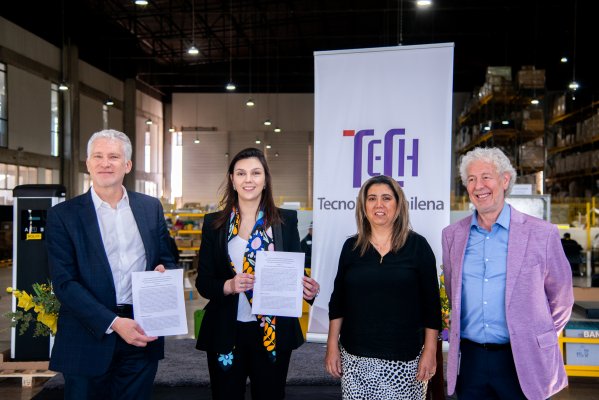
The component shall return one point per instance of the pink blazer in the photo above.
(538, 301)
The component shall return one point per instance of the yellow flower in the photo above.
(41, 305)
(49, 320)
(25, 301)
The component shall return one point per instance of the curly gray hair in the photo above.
(491, 155)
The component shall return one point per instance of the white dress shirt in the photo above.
(237, 248)
(122, 243)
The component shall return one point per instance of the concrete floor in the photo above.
(10, 388)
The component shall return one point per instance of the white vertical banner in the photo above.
(381, 111)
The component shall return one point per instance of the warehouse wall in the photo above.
(236, 127)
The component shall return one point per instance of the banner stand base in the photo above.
(316, 337)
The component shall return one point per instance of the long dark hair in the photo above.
(229, 197)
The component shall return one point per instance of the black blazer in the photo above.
(218, 325)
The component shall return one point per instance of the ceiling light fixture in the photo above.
(267, 122)
(534, 102)
(171, 130)
(231, 86)
(573, 85)
(109, 102)
(193, 50)
(141, 2)
(250, 102)
(258, 141)
(423, 3)
(564, 60)
(196, 140)
(149, 121)
(268, 146)
(277, 129)
(277, 154)
(63, 87)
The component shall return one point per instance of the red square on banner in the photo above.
(349, 132)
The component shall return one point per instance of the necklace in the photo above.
(380, 248)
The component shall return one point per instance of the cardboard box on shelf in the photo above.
(503, 71)
(532, 156)
(582, 354)
(534, 125)
(582, 329)
(559, 106)
(183, 242)
(530, 78)
(586, 294)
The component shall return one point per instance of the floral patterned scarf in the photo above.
(260, 240)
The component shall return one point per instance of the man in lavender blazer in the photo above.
(510, 288)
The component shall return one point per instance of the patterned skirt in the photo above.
(367, 378)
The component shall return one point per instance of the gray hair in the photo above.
(491, 155)
(113, 135)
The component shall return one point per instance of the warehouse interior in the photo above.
(525, 80)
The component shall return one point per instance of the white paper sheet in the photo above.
(278, 289)
(158, 302)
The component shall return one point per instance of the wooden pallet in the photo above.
(26, 370)
(26, 375)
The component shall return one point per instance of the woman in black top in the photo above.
(385, 311)
(238, 343)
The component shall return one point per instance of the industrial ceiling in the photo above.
(268, 45)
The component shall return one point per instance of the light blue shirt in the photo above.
(483, 281)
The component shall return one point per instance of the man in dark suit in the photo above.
(95, 242)
(306, 245)
(572, 250)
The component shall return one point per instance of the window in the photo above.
(146, 187)
(25, 175)
(176, 166)
(3, 108)
(85, 181)
(148, 152)
(104, 116)
(54, 120)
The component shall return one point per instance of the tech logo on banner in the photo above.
(395, 155)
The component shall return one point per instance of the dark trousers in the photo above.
(130, 376)
(250, 359)
(487, 374)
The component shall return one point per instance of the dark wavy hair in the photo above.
(229, 197)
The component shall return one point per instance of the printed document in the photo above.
(278, 288)
(158, 302)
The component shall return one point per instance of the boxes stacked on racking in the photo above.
(533, 120)
(559, 106)
(498, 80)
(588, 129)
(531, 78)
(532, 155)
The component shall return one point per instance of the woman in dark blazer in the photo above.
(240, 344)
